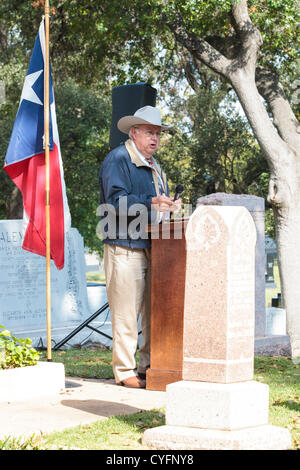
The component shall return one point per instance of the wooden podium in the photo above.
(168, 259)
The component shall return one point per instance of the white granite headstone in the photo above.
(23, 282)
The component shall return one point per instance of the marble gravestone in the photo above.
(218, 405)
(23, 283)
(256, 206)
(219, 296)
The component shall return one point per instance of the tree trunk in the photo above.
(287, 235)
(284, 195)
(14, 207)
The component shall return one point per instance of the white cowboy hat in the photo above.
(145, 115)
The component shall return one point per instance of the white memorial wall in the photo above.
(23, 287)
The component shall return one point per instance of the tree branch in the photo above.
(235, 58)
(189, 73)
(230, 46)
(271, 90)
(197, 74)
(247, 34)
(199, 48)
(223, 56)
(3, 37)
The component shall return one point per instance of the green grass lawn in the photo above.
(122, 432)
(90, 363)
(125, 432)
(283, 378)
(272, 292)
(95, 276)
(114, 433)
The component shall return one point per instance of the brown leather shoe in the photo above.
(134, 382)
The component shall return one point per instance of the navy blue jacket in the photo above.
(125, 181)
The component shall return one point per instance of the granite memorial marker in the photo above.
(256, 206)
(23, 283)
(218, 405)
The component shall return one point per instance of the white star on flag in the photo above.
(28, 93)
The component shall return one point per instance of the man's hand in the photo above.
(163, 203)
(176, 205)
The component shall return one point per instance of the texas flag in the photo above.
(25, 162)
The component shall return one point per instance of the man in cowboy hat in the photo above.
(130, 177)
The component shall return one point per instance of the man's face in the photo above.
(146, 138)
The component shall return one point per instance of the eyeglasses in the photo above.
(150, 133)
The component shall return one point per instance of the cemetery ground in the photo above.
(125, 431)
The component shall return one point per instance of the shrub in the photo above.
(15, 352)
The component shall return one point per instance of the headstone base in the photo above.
(217, 406)
(188, 438)
(203, 415)
(273, 345)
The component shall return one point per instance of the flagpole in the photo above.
(47, 181)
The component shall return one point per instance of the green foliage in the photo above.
(12, 75)
(212, 148)
(83, 117)
(224, 151)
(278, 22)
(6, 185)
(15, 352)
(112, 41)
(96, 45)
(83, 113)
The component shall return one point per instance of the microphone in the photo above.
(178, 190)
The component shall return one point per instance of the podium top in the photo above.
(168, 226)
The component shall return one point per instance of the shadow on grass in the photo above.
(289, 404)
(100, 407)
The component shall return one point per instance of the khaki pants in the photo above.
(128, 291)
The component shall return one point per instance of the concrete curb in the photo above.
(22, 383)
